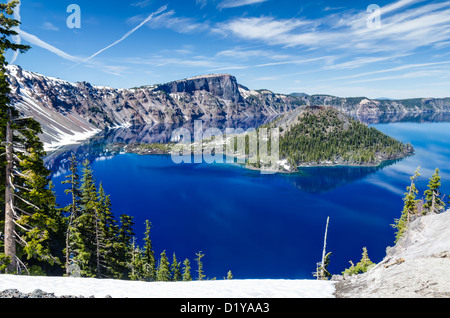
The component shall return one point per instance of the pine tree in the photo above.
(137, 264)
(86, 239)
(175, 269)
(199, 255)
(433, 200)
(107, 234)
(52, 224)
(149, 254)
(88, 189)
(229, 275)
(410, 207)
(163, 273)
(322, 272)
(362, 266)
(187, 271)
(73, 180)
(124, 248)
(29, 210)
(92, 231)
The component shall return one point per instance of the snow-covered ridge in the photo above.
(17, 70)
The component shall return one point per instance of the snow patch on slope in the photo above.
(64, 139)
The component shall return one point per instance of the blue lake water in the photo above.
(270, 226)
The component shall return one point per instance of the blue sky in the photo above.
(316, 47)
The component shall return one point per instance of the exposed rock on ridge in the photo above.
(222, 86)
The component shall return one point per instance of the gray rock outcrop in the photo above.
(418, 266)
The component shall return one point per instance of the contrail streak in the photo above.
(163, 8)
(38, 42)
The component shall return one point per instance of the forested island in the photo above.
(323, 136)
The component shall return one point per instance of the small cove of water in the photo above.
(269, 226)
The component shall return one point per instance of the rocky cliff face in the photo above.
(222, 86)
(70, 111)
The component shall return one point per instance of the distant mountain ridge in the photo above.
(69, 111)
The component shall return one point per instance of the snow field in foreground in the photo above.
(196, 289)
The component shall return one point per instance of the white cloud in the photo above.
(393, 69)
(402, 30)
(168, 20)
(244, 55)
(237, 3)
(416, 74)
(163, 61)
(50, 26)
(361, 61)
(289, 62)
(264, 28)
(142, 4)
(201, 3)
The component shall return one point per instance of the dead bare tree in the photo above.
(10, 235)
(321, 270)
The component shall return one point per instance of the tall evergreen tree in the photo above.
(186, 271)
(124, 246)
(200, 272)
(163, 273)
(29, 215)
(73, 209)
(410, 207)
(93, 239)
(88, 189)
(149, 254)
(433, 200)
(85, 226)
(137, 264)
(175, 269)
(108, 234)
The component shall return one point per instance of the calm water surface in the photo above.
(270, 226)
